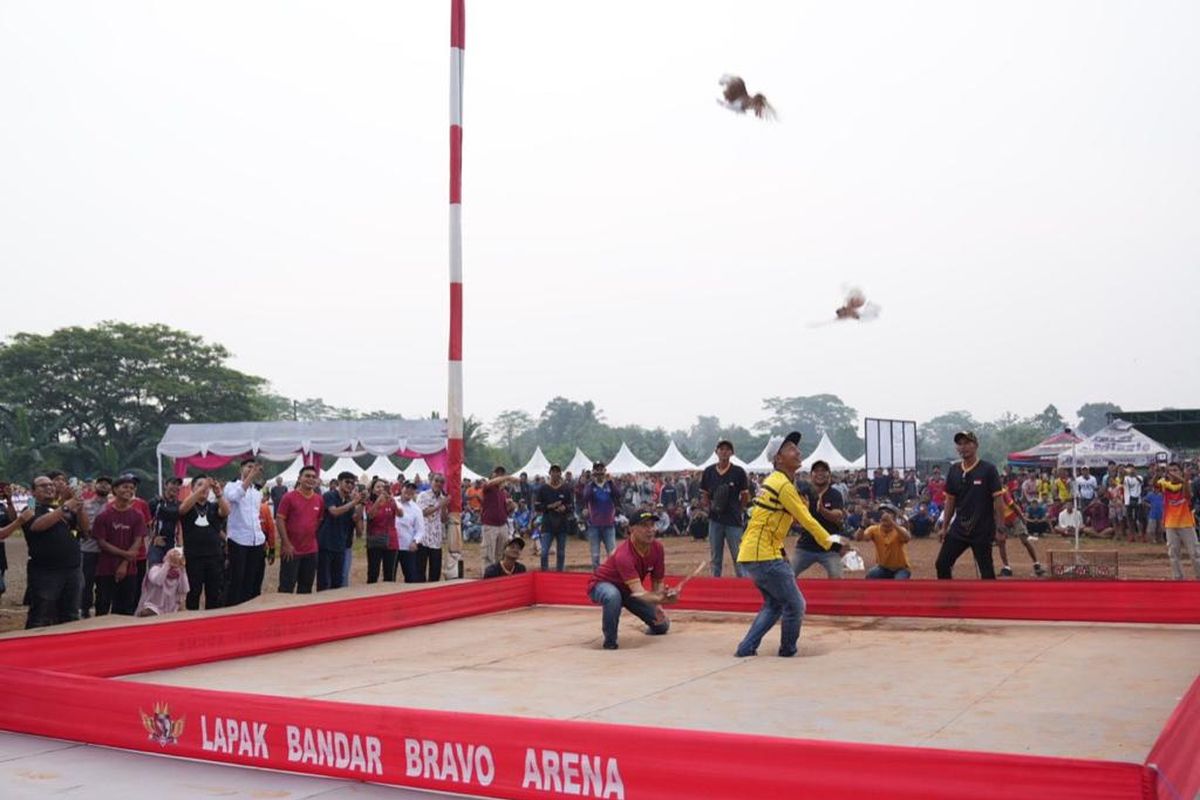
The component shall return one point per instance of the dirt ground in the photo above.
(1140, 561)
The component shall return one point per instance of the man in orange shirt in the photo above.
(1014, 525)
(1178, 520)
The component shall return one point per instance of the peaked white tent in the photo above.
(860, 462)
(383, 467)
(538, 464)
(1119, 441)
(673, 461)
(733, 459)
(826, 452)
(578, 464)
(291, 474)
(760, 464)
(470, 474)
(343, 464)
(625, 462)
(417, 467)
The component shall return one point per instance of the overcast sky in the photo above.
(1017, 184)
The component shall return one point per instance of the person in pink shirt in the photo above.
(166, 586)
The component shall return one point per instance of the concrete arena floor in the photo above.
(1062, 689)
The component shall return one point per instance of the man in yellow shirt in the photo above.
(891, 555)
(761, 553)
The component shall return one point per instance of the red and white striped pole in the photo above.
(454, 415)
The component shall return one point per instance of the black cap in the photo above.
(555, 467)
(816, 465)
(104, 478)
(724, 443)
(968, 436)
(640, 517)
(517, 540)
(128, 477)
(597, 465)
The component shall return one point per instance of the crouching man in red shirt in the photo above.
(619, 582)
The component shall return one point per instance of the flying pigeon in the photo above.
(854, 307)
(736, 98)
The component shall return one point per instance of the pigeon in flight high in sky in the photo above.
(855, 307)
(736, 98)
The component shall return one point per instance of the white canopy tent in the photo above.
(625, 462)
(673, 461)
(825, 451)
(579, 464)
(1119, 441)
(416, 467)
(343, 464)
(760, 464)
(860, 462)
(733, 459)
(382, 467)
(470, 474)
(291, 474)
(538, 464)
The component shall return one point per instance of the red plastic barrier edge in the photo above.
(527, 757)
(1175, 757)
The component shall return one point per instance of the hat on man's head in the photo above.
(888, 507)
(724, 443)
(128, 477)
(642, 517)
(816, 465)
(777, 442)
(598, 465)
(967, 436)
(554, 467)
(518, 541)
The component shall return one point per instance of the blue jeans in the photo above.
(803, 559)
(594, 533)
(559, 539)
(781, 598)
(346, 566)
(609, 596)
(720, 536)
(883, 573)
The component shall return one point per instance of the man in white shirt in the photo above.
(1134, 518)
(247, 560)
(1070, 521)
(1085, 488)
(435, 505)
(410, 530)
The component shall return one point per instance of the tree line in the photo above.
(98, 399)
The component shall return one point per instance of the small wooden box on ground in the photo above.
(1087, 565)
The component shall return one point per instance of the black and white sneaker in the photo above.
(1006, 572)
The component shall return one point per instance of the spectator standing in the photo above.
(89, 549)
(600, 499)
(53, 575)
(496, 506)
(825, 505)
(1154, 515)
(435, 506)
(246, 540)
(974, 509)
(554, 502)
(277, 493)
(202, 516)
(937, 489)
(880, 485)
(1133, 501)
(297, 520)
(1086, 488)
(343, 517)
(383, 541)
(724, 492)
(1178, 520)
(410, 529)
(120, 530)
(1014, 524)
(164, 525)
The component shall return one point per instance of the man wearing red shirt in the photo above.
(937, 488)
(120, 530)
(297, 519)
(619, 582)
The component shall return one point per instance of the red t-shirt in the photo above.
(143, 507)
(626, 564)
(937, 491)
(120, 529)
(384, 524)
(495, 506)
(302, 516)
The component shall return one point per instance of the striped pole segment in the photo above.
(454, 415)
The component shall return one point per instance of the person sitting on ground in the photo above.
(165, 589)
(510, 560)
(922, 523)
(1070, 520)
(619, 582)
(891, 553)
(855, 521)
(1014, 525)
(698, 522)
(1095, 519)
(1036, 521)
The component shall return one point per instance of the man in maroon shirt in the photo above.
(120, 530)
(297, 520)
(494, 516)
(619, 581)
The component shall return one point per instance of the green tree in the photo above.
(848, 441)
(1094, 416)
(812, 415)
(508, 428)
(935, 438)
(1047, 422)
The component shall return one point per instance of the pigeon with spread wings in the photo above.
(736, 98)
(854, 307)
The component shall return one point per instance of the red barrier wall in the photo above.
(53, 688)
(1163, 602)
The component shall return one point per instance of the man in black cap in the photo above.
(620, 581)
(510, 560)
(827, 507)
(974, 509)
(724, 492)
(554, 502)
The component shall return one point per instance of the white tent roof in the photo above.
(280, 441)
(416, 467)
(538, 465)
(579, 463)
(825, 451)
(673, 461)
(291, 474)
(860, 462)
(1120, 442)
(343, 464)
(712, 459)
(383, 467)
(760, 464)
(625, 462)
(470, 474)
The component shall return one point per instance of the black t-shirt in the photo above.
(724, 493)
(896, 490)
(547, 495)
(669, 495)
(277, 493)
(54, 548)
(862, 489)
(921, 525)
(166, 518)
(831, 500)
(336, 533)
(974, 500)
(496, 571)
(202, 526)
(880, 485)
